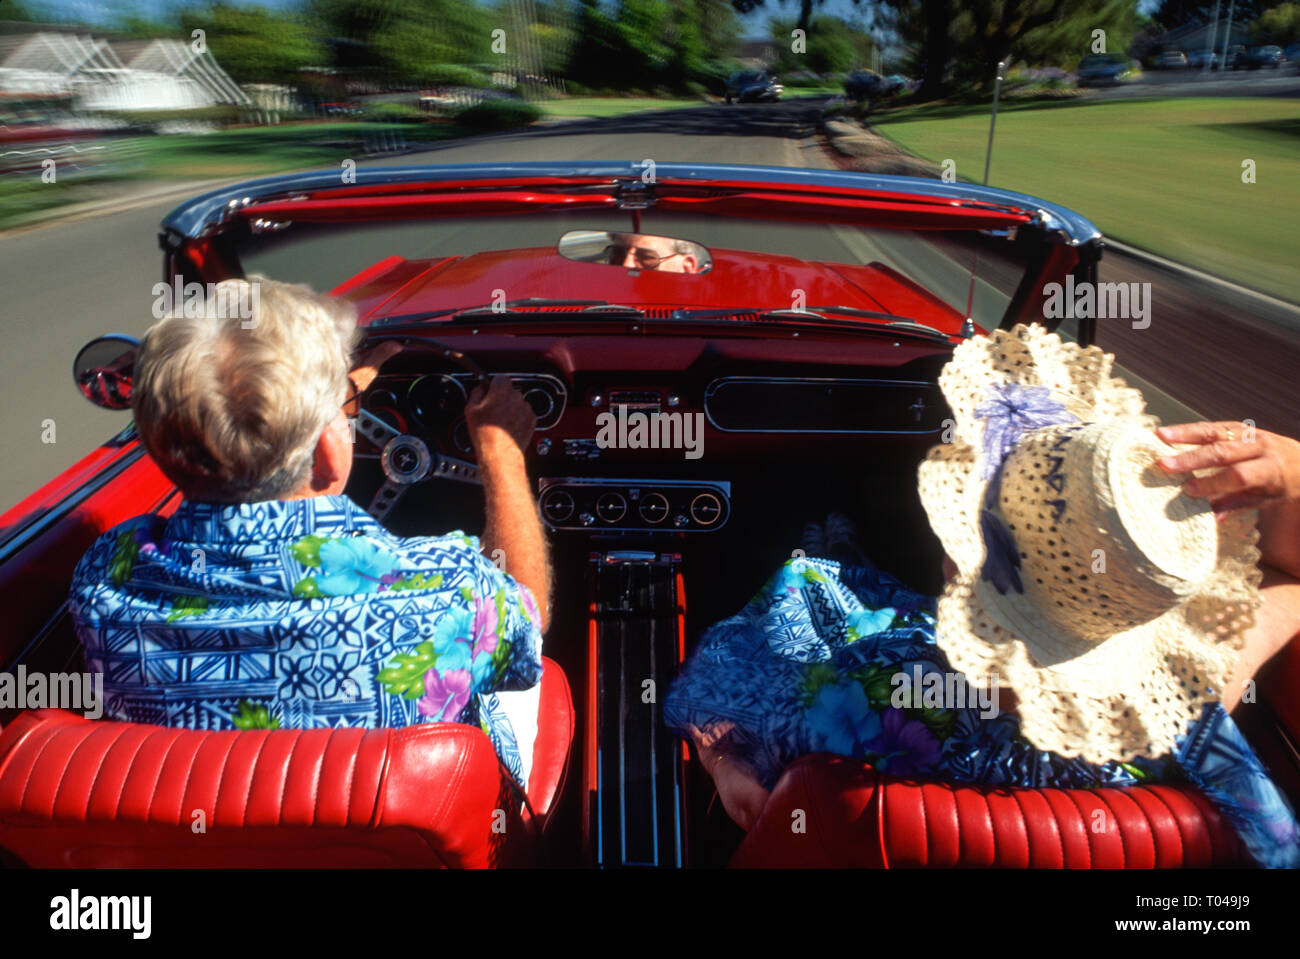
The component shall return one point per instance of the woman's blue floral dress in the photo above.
(809, 665)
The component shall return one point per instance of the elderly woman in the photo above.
(1100, 618)
(269, 598)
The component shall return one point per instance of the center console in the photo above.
(634, 768)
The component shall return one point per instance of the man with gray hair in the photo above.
(269, 598)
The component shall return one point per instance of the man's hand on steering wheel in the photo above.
(367, 368)
(499, 417)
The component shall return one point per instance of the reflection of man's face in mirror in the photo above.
(638, 251)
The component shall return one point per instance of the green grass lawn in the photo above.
(257, 150)
(1165, 175)
(611, 106)
(237, 152)
(815, 90)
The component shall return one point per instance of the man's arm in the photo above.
(501, 425)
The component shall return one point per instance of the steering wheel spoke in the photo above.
(385, 499)
(374, 429)
(451, 468)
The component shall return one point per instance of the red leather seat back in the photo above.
(829, 812)
(80, 793)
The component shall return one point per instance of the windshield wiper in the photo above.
(508, 310)
(827, 315)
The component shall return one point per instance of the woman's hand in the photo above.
(1261, 470)
(742, 795)
(1255, 468)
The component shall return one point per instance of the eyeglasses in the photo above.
(645, 258)
(352, 405)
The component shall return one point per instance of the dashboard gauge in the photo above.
(436, 399)
(460, 438)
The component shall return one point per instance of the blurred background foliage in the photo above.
(538, 48)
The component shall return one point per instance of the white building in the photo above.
(162, 74)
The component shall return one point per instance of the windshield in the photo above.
(907, 262)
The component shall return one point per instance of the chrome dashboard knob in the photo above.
(586, 519)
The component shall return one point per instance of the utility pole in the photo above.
(1209, 41)
(1227, 39)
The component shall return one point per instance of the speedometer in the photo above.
(436, 399)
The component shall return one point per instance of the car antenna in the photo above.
(968, 327)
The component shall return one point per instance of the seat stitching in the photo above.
(993, 825)
(353, 759)
(288, 769)
(1069, 794)
(221, 777)
(243, 812)
(1024, 813)
(1029, 849)
(153, 790)
(381, 787)
(189, 776)
(315, 803)
(66, 766)
(1151, 825)
(121, 791)
(1123, 846)
(50, 734)
(90, 795)
(1182, 843)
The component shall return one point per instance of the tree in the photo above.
(830, 46)
(1281, 25)
(255, 45)
(412, 42)
(951, 44)
(923, 27)
(1176, 13)
(648, 43)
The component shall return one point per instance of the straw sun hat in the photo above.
(1111, 602)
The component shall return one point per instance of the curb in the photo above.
(89, 211)
(1201, 276)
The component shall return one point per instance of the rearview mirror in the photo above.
(635, 251)
(104, 368)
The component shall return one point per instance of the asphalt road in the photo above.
(1282, 82)
(1226, 355)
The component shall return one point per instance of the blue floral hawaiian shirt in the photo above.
(811, 664)
(302, 614)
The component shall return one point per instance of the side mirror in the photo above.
(104, 369)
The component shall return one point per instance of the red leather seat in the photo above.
(80, 793)
(831, 812)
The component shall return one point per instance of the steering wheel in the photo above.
(406, 459)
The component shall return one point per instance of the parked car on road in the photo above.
(869, 85)
(1255, 58)
(1200, 59)
(1103, 69)
(748, 86)
(1172, 60)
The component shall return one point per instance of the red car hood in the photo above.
(399, 287)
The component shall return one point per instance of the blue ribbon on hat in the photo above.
(1010, 411)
